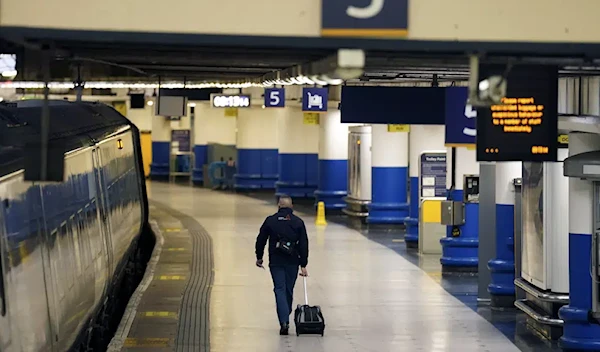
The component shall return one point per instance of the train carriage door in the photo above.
(5, 326)
(103, 210)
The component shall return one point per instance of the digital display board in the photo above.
(524, 126)
(230, 101)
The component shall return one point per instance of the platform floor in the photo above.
(373, 299)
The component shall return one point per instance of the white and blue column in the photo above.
(333, 161)
(298, 155)
(460, 251)
(257, 143)
(502, 267)
(580, 332)
(200, 148)
(421, 138)
(389, 176)
(161, 148)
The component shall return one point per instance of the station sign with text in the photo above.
(460, 118)
(274, 97)
(524, 126)
(364, 18)
(230, 101)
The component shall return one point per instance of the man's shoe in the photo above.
(284, 329)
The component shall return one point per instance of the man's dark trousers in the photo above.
(284, 279)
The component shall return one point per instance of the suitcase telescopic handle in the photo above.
(305, 290)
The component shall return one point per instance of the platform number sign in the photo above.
(314, 99)
(364, 18)
(274, 97)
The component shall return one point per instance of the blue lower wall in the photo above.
(388, 196)
(200, 157)
(412, 221)
(296, 175)
(256, 169)
(502, 267)
(462, 251)
(333, 183)
(159, 168)
(579, 333)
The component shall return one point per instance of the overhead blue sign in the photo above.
(460, 118)
(314, 99)
(364, 18)
(433, 175)
(274, 97)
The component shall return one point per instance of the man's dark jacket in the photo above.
(285, 225)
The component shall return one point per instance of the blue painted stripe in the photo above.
(160, 153)
(293, 176)
(502, 267)
(388, 203)
(159, 168)
(200, 157)
(312, 170)
(412, 221)
(579, 333)
(462, 250)
(333, 183)
(256, 168)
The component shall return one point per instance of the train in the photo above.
(68, 250)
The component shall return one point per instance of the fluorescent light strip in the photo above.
(300, 80)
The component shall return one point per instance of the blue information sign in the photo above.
(182, 137)
(433, 175)
(314, 99)
(364, 18)
(460, 118)
(274, 97)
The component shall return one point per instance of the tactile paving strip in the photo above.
(193, 330)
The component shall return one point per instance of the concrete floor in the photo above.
(373, 299)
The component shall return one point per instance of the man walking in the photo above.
(288, 250)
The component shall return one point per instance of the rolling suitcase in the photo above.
(308, 319)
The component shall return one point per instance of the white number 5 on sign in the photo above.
(274, 96)
(366, 12)
(470, 113)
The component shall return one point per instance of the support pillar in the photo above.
(460, 248)
(198, 123)
(333, 161)
(502, 268)
(389, 172)
(421, 138)
(580, 332)
(161, 148)
(257, 143)
(298, 155)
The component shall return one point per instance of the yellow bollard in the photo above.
(321, 214)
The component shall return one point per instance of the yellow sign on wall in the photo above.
(231, 112)
(563, 139)
(311, 118)
(121, 107)
(398, 128)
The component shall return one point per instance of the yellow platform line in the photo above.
(159, 314)
(398, 240)
(171, 277)
(156, 342)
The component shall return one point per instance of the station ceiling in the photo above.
(142, 56)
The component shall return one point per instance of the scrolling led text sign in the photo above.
(524, 126)
(519, 115)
